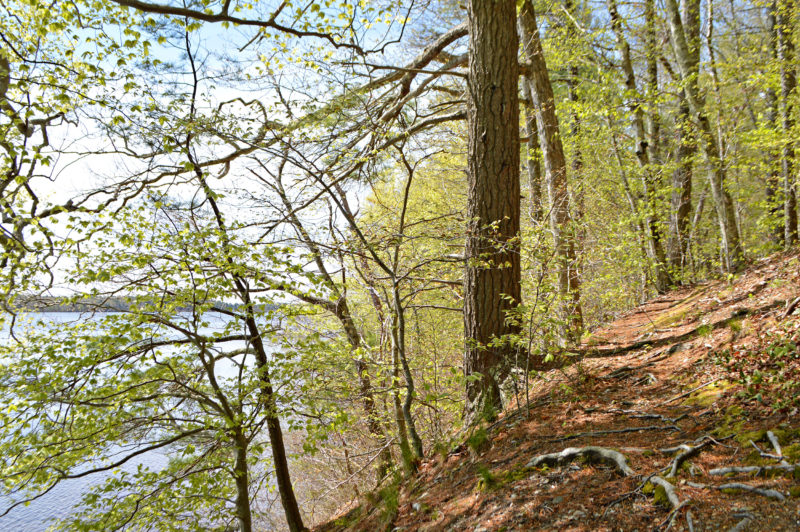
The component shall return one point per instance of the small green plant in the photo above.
(478, 441)
(704, 330)
(487, 481)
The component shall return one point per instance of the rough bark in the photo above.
(731, 248)
(492, 277)
(681, 198)
(555, 173)
(786, 57)
(773, 184)
(654, 236)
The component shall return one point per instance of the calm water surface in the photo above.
(58, 503)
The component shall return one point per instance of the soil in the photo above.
(714, 367)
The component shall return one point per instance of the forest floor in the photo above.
(649, 424)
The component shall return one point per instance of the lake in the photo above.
(41, 513)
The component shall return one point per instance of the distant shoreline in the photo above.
(106, 304)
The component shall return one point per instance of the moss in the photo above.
(794, 491)
(648, 488)
(648, 452)
(755, 436)
(792, 452)
(349, 519)
(660, 496)
(708, 395)
(515, 475)
(487, 481)
(786, 435)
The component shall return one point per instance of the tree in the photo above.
(731, 246)
(555, 173)
(492, 278)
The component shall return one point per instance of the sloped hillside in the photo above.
(683, 414)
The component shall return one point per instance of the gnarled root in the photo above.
(591, 454)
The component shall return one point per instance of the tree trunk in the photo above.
(773, 184)
(682, 177)
(786, 57)
(731, 248)
(681, 200)
(654, 237)
(243, 513)
(555, 174)
(279, 458)
(533, 156)
(341, 310)
(492, 277)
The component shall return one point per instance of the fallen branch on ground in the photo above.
(614, 431)
(765, 492)
(690, 392)
(592, 454)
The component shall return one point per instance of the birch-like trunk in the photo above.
(731, 247)
(555, 167)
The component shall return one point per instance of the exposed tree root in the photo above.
(765, 492)
(690, 392)
(791, 307)
(740, 526)
(669, 489)
(758, 470)
(593, 352)
(591, 454)
(614, 431)
(687, 452)
(647, 415)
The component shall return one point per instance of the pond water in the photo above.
(39, 514)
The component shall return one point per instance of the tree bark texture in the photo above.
(773, 180)
(492, 277)
(682, 177)
(555, 167)
(731, 248)
(786, 56)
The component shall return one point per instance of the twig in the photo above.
(690, 392)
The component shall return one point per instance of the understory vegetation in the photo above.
(265, 261)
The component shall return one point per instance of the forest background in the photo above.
(391, 203)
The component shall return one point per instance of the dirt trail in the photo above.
(676, 394)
